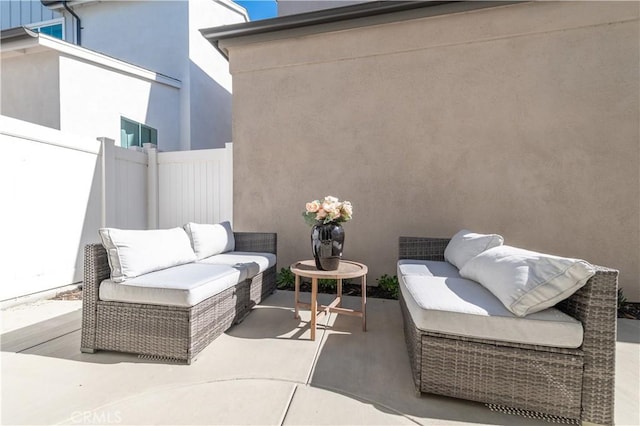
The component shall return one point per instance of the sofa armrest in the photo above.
(265, 242)
(595, 306)
(422, 248)
(96, 270)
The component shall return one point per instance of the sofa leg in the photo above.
(87, 350)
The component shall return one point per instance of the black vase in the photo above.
(327, 241)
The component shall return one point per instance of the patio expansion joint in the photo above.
(310, 373)
(283, 418)
(316, 355)
(162, 388)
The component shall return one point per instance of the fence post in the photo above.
(108, 166)
(227, 184)
(152, 186)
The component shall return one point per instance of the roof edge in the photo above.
(59, 4)
(17, 33)
(340, 18)
(12, 39)
(323, 16)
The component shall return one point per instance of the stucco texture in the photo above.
(30, 88)
(521, 120)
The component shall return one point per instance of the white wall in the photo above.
(210, 82)
(115, 28)
(30, 88)
(163, 36)
(77, 95)
(48, 187)
(93, 99)
(54, 200)
(172, 45)
(150, 34)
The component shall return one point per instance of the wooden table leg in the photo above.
(364, 303)
(314, 306)
(339, 285)
(297, 295)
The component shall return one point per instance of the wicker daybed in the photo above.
(173, 333)
(570, 383)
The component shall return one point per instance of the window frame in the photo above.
(49, 23)
(140, 129)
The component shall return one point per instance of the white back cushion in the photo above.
(209, 240)
(133, 253)
(466, 244)
(526, 281)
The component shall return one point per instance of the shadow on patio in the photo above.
(262, 371)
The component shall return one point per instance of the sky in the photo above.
(259, 9)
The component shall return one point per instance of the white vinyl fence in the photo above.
(195, 186)
(57, 189)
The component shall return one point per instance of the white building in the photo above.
(160, 40)
(53, 83)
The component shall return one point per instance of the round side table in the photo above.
(347, 269)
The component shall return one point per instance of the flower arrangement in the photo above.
(327, 210)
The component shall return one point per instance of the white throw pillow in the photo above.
(208, 240)
(133, 253)
(466, 245)
(526, 281)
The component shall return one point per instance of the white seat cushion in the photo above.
(254, 262)
(464, 308)
(431, 268)
(184, 285)
(526, 281)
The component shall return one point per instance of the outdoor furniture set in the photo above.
(168, 293)
(522, 331)
(526, 332)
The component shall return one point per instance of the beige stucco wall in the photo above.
(521, 120)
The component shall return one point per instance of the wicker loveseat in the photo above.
(175, 333)
(574, 383)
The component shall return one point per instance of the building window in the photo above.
(53, 28)
(133, 133)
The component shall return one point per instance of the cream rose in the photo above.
(329, 206)
(313, 206)
(334, 213)
(347, 208)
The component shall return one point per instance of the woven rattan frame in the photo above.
(571, 383)
(169, 332)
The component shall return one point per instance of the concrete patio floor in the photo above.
(262, 371)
